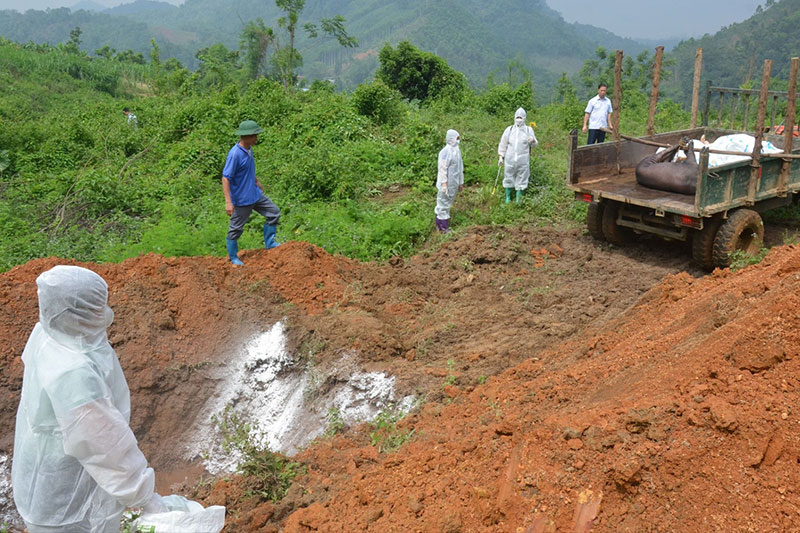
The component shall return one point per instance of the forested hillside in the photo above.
(735, 55)
(475, 37)
(353, 173)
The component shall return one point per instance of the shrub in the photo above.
(270, 473)
(379, 102)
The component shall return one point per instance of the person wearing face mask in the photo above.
(449, 179)
(76, 464)
(515, 151)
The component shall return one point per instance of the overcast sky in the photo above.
(24, 5)
(652, 19)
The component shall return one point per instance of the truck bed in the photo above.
(607, 170)
(623, 187)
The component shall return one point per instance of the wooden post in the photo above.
(755, 165)
(734, 101)
(617, 100)
(788, 125)
(698, 68)
(573, 145)
(774, 108)
(654, 93)
(721, 105)
(708, 104)
(746, 110)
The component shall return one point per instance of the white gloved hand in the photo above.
(531, 140)
(155, 505)
(500, 161)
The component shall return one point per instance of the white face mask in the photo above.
(519, 121)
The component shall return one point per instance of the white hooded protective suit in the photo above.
(76, 462)
(515, 148)
(450, 175)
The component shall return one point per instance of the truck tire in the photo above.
(594, 220)
(703, 244)
(744, 230)
(614, 233)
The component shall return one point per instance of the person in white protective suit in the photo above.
(515, 150)
(449, 179)
(76, 464)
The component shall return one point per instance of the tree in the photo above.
(73, 46)
(418, 75)
(129, 56)
(217, 65)
(105, 52)
(565, 91)
(155, 54)
(287, 59)
(255, 40)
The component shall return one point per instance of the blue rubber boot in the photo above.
(508, 194)
(518, 199)
(269, 236)
(233, 252)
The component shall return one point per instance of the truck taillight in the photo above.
(691, 222)
(586, 197)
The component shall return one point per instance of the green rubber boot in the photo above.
(508, 195)
(518, 199)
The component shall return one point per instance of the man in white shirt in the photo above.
(132, 120)
(597, 114)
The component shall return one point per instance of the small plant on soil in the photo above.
(385, 434)
(335, 422)
(741, 259)
(451, 378)
(269, 474)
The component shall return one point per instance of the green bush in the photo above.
(379, 102)
(503, 100)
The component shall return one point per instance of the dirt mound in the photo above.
(561, 379)
(175, 319)
(680, 416)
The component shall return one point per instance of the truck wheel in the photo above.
(614, 233)
(594, 220)
(744, 230)
(703, 244)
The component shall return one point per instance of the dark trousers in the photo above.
(241, 213)
(596, 136)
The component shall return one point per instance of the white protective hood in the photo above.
(75, 456)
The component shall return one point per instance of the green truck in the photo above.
(723, 216)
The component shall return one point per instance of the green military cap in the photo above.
(248, 127)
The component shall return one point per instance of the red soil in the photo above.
(565, 383)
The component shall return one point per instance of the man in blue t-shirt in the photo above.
(244, 193)
(597, 114)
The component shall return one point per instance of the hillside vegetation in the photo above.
(352, 173)
(735, 55)
(476, 37)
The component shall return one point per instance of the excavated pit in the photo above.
(558, 378)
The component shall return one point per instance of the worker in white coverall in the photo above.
(515, 150)
(449, 179)
(76, 463)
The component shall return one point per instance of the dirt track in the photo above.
(674, 406)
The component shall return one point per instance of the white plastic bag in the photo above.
(185, 516)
